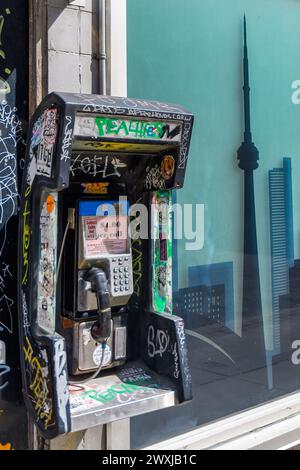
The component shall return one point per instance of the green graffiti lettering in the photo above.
(101, 123)
(112, 127)
(137, 128)
(123, 127)
(131, 128)
(110, 394)
(96, 396)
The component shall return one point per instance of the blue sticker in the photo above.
(103, 208)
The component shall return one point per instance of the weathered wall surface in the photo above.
(13, 122)
(73, 46)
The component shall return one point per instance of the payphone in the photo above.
(97, 283)
(99, 341)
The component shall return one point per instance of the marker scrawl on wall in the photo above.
(9, 129)
(10, 135)
(13, 115)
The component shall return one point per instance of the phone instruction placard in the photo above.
(105, 228)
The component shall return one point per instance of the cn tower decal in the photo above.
(248, 156)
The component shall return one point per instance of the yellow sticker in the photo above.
(95, 188)
(154, 147)
(6, 447)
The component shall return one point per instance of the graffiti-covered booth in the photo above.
(98, 336)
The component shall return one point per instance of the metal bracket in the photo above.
(118, 435)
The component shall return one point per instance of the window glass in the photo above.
(237, 283)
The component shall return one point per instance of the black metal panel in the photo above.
(13, 121)
(164, 350)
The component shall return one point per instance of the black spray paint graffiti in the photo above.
(154, 179)
(170, 134)
(97, 165)
(137, 265)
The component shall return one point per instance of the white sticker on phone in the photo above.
(97, 356)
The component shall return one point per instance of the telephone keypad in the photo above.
(122, 275)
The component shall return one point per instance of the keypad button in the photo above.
(121, 270)
(116, 283)
(122, 289)
(127, 282)
(115, 270)
(126, 269)
(116, 289)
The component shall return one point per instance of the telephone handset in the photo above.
(101, 330)
(102, 284)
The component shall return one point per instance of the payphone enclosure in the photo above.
(99, 341)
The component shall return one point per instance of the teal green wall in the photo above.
(191, 53)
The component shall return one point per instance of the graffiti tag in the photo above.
(158, 342)
(67, 140)
(38, 386)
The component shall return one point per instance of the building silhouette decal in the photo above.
(282, 240)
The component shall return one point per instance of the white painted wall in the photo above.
(73, 45)
(118, 48)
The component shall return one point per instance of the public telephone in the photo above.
(97, 282)
(95, 301)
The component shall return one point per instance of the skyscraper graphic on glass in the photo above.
(282, 239)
